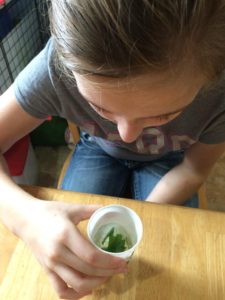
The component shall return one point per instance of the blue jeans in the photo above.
(91, 170)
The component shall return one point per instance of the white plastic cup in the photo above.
(122, 216)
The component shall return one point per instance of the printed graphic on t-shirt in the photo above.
(152, 140)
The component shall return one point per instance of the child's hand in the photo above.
(75, 267)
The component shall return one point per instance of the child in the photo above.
(143, 80)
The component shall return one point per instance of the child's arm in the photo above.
(184, 180)
(48, 227)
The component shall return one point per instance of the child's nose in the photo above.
(128, 131)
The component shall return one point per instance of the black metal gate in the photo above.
(23, 33)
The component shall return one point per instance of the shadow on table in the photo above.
(139, 271)
(148, 280)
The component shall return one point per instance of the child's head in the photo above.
(141, 61)
(117, 38)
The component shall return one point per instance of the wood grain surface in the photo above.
(181, 256)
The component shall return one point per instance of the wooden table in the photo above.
(181, 256)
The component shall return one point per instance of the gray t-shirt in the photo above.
(43, 90)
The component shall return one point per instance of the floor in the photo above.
(215, 186)
(51, 159)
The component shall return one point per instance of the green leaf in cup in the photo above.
(115, 242)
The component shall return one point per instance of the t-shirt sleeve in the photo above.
(34, 89)
(215, 132)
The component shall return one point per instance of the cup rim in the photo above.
(139, 237)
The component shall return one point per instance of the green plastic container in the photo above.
(50, 133)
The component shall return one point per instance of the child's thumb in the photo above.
(83, 212)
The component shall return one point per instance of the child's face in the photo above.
(145, 101)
